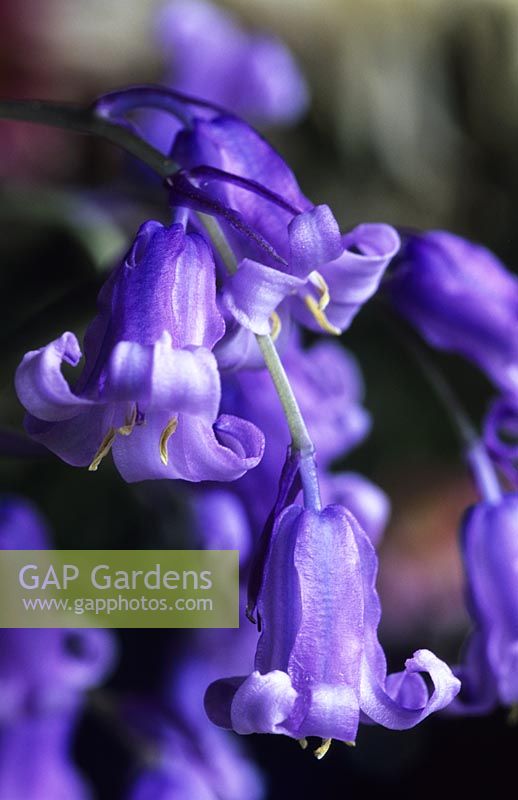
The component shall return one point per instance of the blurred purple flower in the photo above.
(319, 665)
(489, 671)
(209, 55)
(43, 676)
(150, 388)
(367, 502)
(461, 298)
(194, 759)
(501, 435)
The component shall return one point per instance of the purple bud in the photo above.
(460, 298)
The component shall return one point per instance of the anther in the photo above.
(166, 435)
(322, 750)
(103, 450)
(276, 326)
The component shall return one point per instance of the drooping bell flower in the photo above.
(489, 670)
(461, 298)
(283, 244)
(319, 666)
(150, 388)
(209, 55)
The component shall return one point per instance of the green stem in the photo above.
(300, 438)
(86, 120)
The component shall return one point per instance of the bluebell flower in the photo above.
(286, 248)
(210, 55)
(489, 670)
(501, 435)
(150, 387)
(193, 759)
(44, 675)
(319, 667)
(461, 298)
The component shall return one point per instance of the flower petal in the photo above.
(197, 451)
(354, 276)
(76, 440)
(41, 386)
(461, 299)
(255, 291)
(314, 240)
(262, 703)
(366, 501)
(402, 701)
(159, 376)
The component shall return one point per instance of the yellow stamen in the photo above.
(103, 450)
(322, 750)
(512, 717)
(166, 435)
(109, 439)
(126, 429)
(303, 743)
(320, 316)
(276, 326)
(318, 280)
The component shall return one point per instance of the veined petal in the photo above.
(404, 700)
(160, 376)
(76, 440)
(354, 276)
(197, 450)
(41, 386)
(262, 703)
(255, 291)
(311, 612)
(366, 501)
(230, 144)
(165, 283)
(314, 240)
(196, 318)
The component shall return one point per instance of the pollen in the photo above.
(166, 435)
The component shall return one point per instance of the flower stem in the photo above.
(474, 450)
(88, 121)
(300, 438)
